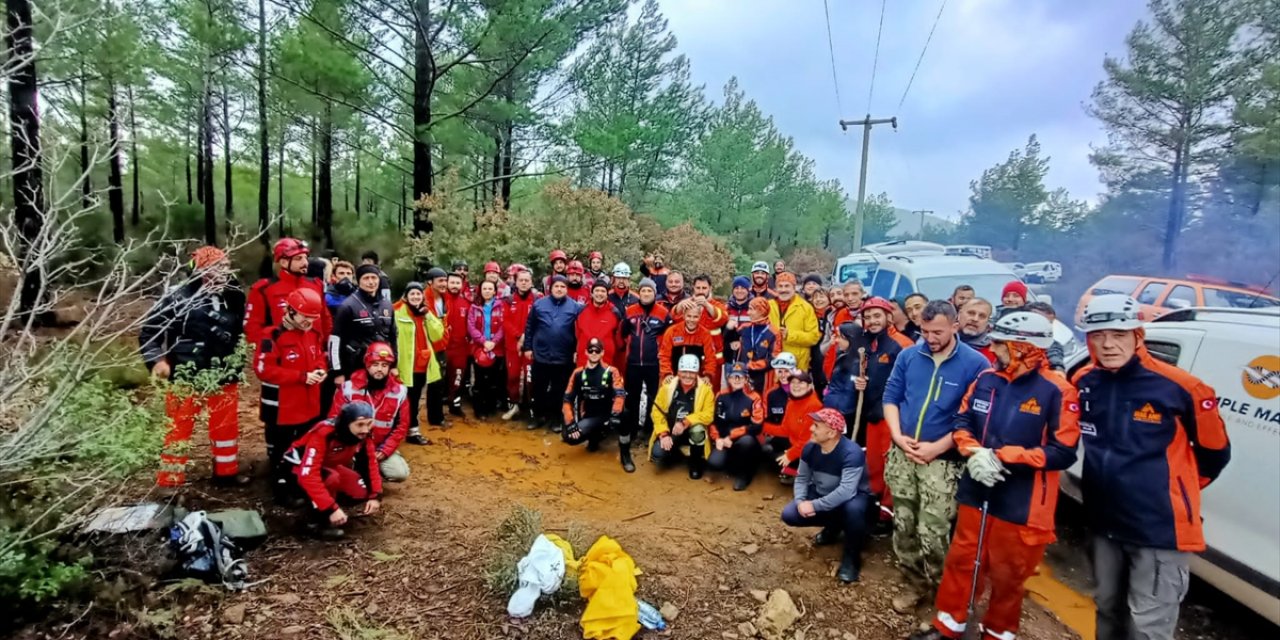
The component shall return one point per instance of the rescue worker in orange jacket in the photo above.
(593, 405)
(784, 441)
(737, 430)
(688, 337)
(376, 386)
(758, 343)
(335, 464)
(1153, 441)
(292, 360)
(1018, 426)
(599, 320)
(714, 318)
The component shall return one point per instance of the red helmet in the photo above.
(492, 267)
(575, 267)
(515, 269)
(558, 255)
(379, 352)
(596, 255)
(876, 303)
(306, 301)
(290, 247)
(485, 358)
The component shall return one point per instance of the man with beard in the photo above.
(599, 321)
(335, 463)
(687, 337)
(578, 289)
(514, 318)
(675, 293)
(436, 301)
(559, 262)
(921, 399)
(1018, 427)
(549, 342)
(644, 325)
(682, 413)
(962, 295)
(654, 267)
(341, 285)
(714, 318)
(620, 295)
(595, 268)
(416, 330)
(975, 327)
(265, 304)
(374, 385)
(458, 351)
(593, 404)
(363, 319)
(760, 281)
(463, 270)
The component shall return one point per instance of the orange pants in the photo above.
(224, 430)
(879, 440)
(1010, 555)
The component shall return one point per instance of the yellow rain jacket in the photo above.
(607, 580)
(704, 411)
(801, 325)
(406, 351)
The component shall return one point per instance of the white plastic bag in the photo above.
(541, 571)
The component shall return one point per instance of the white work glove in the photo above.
(985, 467)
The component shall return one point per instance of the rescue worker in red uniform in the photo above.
(493, 273)
(686, 337)
(1153, 441)
(620, 295)
(437, 303)
(593, 405)
(195, 328)
(736, 431)
(645, 322)
(1018, 426)
(335, 464)
(375, 386)
(599, 320)
(714, 318)
(784, 440)
(559, 263)
(458, 351)
(292, 360)
(579, 288)
(595, 268)
(265, 303)
(514, 318)
(461, 268)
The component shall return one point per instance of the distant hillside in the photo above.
(908, 225)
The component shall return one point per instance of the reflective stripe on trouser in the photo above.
(1010, 555)
(878, 442)
(924, 499)
(224, 429)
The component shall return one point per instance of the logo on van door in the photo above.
(1261, 378)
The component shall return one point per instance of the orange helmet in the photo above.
(379, 352)
(306, 301)
(558, 254)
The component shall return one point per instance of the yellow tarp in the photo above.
(607, 580)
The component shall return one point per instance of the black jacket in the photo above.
(361, 320)
(193, 326)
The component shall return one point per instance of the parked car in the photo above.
(975, 250)
(1237, 352)
(1159, 296)
(1018, 268)
(862, 265)
(1042, 272)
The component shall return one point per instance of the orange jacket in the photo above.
(795, 423)
(678, 341)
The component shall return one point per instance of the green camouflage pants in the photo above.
(924, 505)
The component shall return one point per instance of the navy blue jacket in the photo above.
(549, 331)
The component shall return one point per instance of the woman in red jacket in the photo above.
(484, 327)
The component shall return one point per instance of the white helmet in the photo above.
(1024, 326)
(784, 360)
(688, 362)
(1112, 311)
(760, 266)
(622, 270)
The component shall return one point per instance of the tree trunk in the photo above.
(1173, 220)
(86, 187)
(495, 170)
(508, 163)
(115, 181)
(324, 197)
(24, 122)
(264, 149)
(314, 141)
(424, 77)
(404, 197)
(206, 164)
(135, 205)
(280, 179)
(357, 159)
(187, 158)
(227, 204)
(201, 117)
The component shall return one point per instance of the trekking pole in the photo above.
(977, 561)
(862, 373)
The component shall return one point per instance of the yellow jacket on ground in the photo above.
(704, 411)
(800, 325)
(607, 579)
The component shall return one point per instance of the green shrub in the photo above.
(512, 539)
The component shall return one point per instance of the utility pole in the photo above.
(922, 212)
(866, 124)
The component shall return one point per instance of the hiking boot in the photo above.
(931, 634)
(456, 411)
(534, 424)
(418, 439)
(741, 484)
(906, 602)
(325, 531)
(850, 568)
(786, 480)
(231, 481)
(624, 452)
(555, 426)
(511, 413)
(882, 528)
(593, 445)
(826, 537)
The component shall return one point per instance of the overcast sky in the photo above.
(995, 72)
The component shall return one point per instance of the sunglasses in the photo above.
(595, 350)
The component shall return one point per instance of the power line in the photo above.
(875, 61)
(922, 51)
(831, 48)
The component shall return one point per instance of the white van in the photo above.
(975, 250)
(1042, 272)
(1237, 352)
(863, 265)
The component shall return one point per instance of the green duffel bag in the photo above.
(242, 525)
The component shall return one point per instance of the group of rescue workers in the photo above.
(947, 421)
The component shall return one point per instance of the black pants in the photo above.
(437, 393)
(327, 389)
(850, 518)
(489, 390)
(740, 460)
(549, 382)
(591, 430)
(639, 418)
(279, 437)
(670, 458)
(774, 447)
(419, 384)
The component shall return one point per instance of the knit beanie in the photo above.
(647, 282)
(1016, 287)
(814, 278)
(365, 269)
(559, 278)
(742, 281)
(414, 285)
(599, 283)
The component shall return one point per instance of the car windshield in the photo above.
(863, 271)
(985, 285)
(1237, 299)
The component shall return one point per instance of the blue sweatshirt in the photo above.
(927, 394)
(831, 479)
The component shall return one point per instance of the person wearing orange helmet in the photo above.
(579, 288)
(595, 268)
(559, 264)
(265, 303)
(291, 359)
(493, 273)
(376, 386)
(192, 331)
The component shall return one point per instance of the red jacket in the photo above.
(322, 449)
(581, 294)
(284, 358)
(678, 341)
(475, 327)
(265, 305)
(602, 322)
(456, 324)
(515, 314)
(714, 324)
(390, 409)
(795, 423)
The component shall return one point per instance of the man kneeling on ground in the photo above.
(593, 405)
(335, 463)
(683, 408)
(831, 491)
(374, 385)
